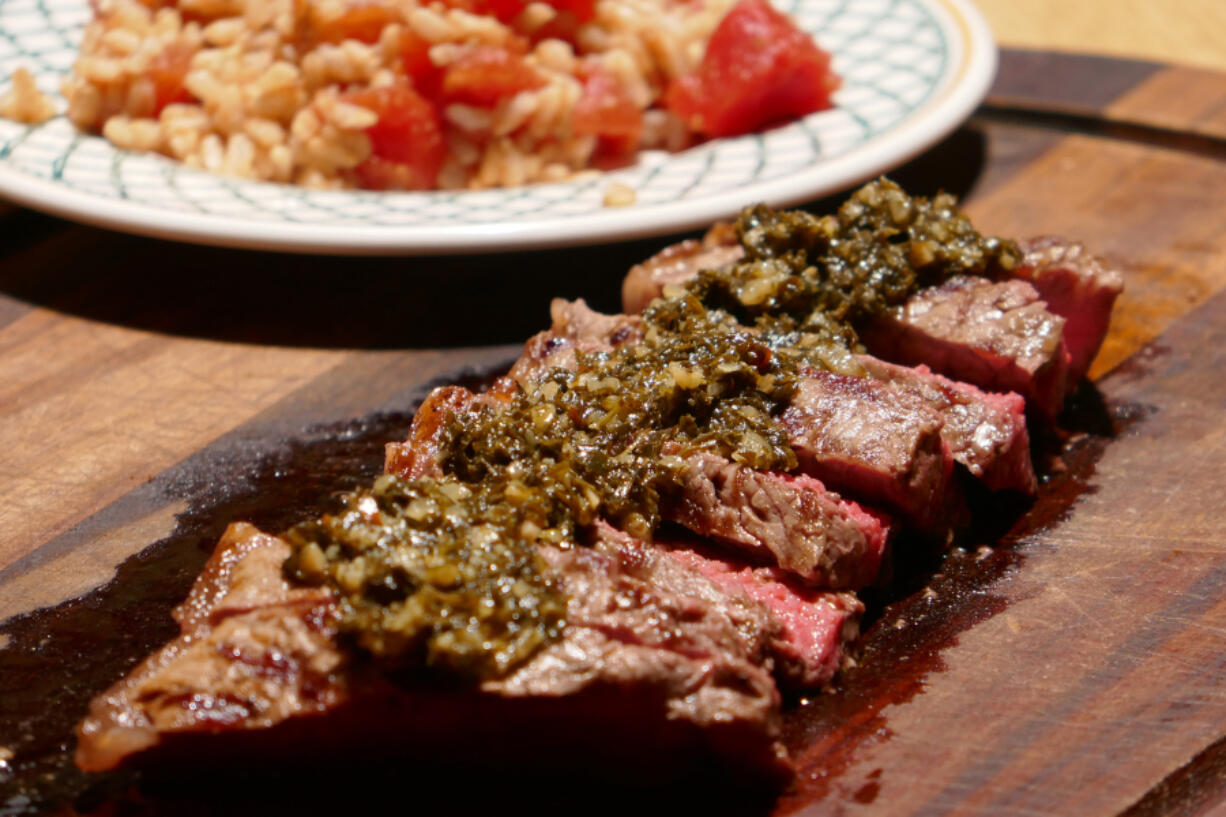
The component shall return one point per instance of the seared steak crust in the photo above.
(253, 652)
(576, 320)
(417, 456)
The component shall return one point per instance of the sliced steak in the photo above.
(857, 436)
(657, 665)
(792, 521)
(986, 431)
(997, 336)
(817, 625)
(968, 345)
(808, 531)
(1079, 288)
(677, 264)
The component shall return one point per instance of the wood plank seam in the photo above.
(1014, 112)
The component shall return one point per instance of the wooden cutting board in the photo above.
(1070, 660)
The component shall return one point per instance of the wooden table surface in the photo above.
(1180, 32)
(151, 391)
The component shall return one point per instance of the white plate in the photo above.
(912, 71)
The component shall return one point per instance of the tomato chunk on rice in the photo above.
(759, 69)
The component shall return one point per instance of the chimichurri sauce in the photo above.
(448, 574)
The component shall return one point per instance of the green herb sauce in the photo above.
(448, 574)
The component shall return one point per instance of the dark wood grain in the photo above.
(1076, 667)
(1049, 80)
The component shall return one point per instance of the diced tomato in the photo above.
(606, 110)
(427, 77)
(167, 70)
(362, 22)
(407, 148)
(584, 10)
(759, 68)
(486, 74)
(504, 10)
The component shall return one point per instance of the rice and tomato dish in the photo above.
(409, 95)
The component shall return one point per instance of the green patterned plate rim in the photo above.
(912, 71)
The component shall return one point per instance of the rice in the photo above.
(265, 89)
(617, 194)
(397, 94)
(24, 102)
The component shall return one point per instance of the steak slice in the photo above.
(576, 329)
(576, 320)
(817, 625)
(549, 350)
(418, 455)
(253, 652)
(658, 665)
(1079, 288)
(857, 435)
(998, 336)
(985, 431)
(810, 532)
(677, 264)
